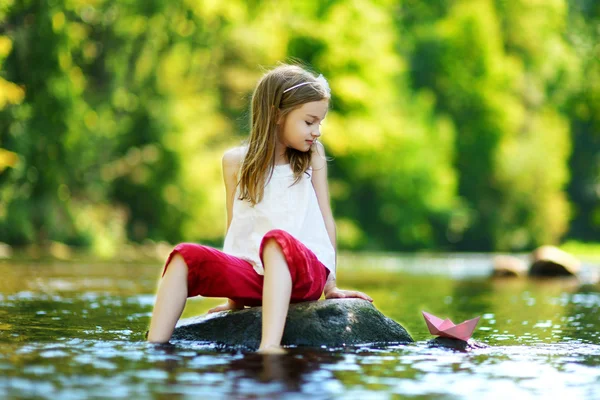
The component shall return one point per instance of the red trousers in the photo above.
(212, 273)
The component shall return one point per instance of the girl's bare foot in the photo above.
(222, 307)
(230, 305)
(272, 350)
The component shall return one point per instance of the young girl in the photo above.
(280, 242)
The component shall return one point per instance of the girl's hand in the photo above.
(230, 305)
(336, 293)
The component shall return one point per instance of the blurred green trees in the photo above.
(469, 125)
(583, 111)
(502, 70)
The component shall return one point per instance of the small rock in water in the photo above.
(552, 261)
(456, 344)
(331, 323)
(508, 266)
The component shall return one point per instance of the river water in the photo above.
(74, 330)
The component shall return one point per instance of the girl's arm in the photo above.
(232, 161)
(319, 181)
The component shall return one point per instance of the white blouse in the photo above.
(287, 206)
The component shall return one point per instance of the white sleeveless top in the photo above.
(287, 206)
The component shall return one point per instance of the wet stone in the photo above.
(508, 266)
(331, 323)
(551, 261)
(456, 344)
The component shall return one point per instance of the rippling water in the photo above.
(75, 331)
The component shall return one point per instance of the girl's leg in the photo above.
(170, 300)
(277, 291)
(197, 270)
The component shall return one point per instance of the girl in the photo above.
(280, 241)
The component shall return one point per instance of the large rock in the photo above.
(331, 323)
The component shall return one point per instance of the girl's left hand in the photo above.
(336, 293)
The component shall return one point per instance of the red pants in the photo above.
(212, 273)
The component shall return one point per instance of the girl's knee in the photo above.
(273, 253)
(177, 265)
(178, 259)
(271, 245)
(275, 239)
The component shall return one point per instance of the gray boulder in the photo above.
(331, 323)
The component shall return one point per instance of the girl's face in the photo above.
(302, 126)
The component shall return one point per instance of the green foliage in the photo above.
(583, 110)
(499, 87)
(392, 182)
(454, 124)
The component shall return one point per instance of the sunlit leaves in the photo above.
(450, 123)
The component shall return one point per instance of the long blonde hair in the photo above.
(269, 104)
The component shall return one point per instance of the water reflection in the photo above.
(76, 331)
(298, 371)
(525, 308)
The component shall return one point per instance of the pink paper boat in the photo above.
(447, 328)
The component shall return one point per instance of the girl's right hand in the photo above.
(230, 305)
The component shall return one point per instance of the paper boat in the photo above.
(447, 328)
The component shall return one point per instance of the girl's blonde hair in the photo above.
(272, 101)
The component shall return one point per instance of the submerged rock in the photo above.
(456, 344)
(331, 323)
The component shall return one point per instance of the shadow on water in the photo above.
(293, 372)
(76, 331)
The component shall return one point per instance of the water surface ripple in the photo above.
(75, 331)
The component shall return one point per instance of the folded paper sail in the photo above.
(447, 328)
